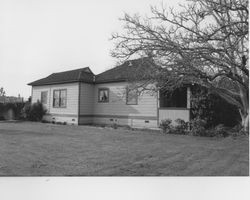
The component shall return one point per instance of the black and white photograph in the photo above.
(115, 88)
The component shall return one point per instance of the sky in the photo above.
(40, 37)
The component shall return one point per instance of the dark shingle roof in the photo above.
(78, 75)
(128, 70)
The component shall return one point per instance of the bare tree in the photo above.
(205, 43)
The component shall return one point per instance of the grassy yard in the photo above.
(35, 149)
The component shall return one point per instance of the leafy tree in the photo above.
(212, 108)
(206, 43)
(2, 92)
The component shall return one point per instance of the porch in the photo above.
(175, 105)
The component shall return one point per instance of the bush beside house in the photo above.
(35, 111)
(213, 109)
(195, 127)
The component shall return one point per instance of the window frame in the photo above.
(127, 93)
(99, 91)
(60, 91)
(46, 97)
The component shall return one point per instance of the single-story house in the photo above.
(81, 97)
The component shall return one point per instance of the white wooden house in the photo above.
(80, 97)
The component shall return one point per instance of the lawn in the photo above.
(36, 149)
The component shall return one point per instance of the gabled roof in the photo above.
(128, 70)
(77, 75)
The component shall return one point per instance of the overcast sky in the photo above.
(40, 37)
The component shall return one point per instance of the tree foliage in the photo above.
(206, 43)
(2, 92)
(35, 111)
(17, 107)
(212, 108)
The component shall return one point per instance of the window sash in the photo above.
(44, 97)
(103, 95)
(60, 98)
(132, 97)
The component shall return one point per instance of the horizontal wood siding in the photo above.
(147, 103)
(86, 99)
(174, 114)
(144, 114)
(72, 97)
(36, 95)
(86, 102)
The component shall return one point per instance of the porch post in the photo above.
(189, 105)
(158, 106)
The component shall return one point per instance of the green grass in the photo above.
(35, 149)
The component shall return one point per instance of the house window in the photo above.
(132, 97)
(59, 98)
(176, 99)
(103, 95)
(44, 96)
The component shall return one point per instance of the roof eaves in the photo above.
(111, 81)
(60, 82)
(52, 83)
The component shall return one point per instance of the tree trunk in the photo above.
(245, 123)
(244, 111)
(244, 120)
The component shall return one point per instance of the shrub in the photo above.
(34, 112)
(217, 131)
(26, 110)
(213, 108)
(220, 131)
(45, 121)
(181, 127)
(16, 107)
(114, 126)
(166, 125)
(238, 131)
(198, 127)
(237, 128)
